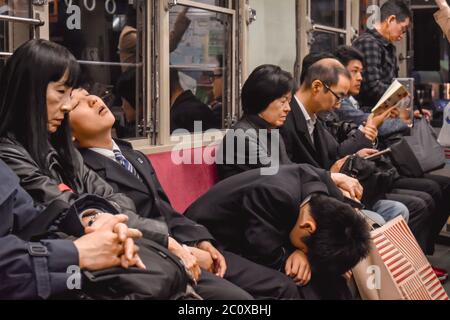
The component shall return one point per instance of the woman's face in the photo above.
(58, 103)
(275, 114)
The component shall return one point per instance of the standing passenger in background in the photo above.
(443, 17)
(128, 36)
(380, 55)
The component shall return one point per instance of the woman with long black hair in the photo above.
(35, 138)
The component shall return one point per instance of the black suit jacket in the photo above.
(257, 152)
(252, 214)
(326, 150)
(148, 195)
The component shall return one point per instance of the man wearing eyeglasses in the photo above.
(324, 83)
(380, 57)
(324, 86)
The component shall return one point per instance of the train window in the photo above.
(329, 13)
(323, 41)
(218, 3)
(12, 35)
(17, 8)
(200, 51)
(106, 37)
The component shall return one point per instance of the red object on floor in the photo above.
(442, 274)
(184, 183)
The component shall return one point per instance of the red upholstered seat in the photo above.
(185, 183)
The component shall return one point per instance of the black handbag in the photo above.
(418, 153)
(164, 279)
(376, 176)
(405, 160)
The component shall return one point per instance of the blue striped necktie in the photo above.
(125, 163)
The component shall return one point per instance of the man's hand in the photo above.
(370, 131)
(366, 152)
(347, 195)
(204, 259)
(189, 260)
(130, 258)
(125, 234)
(99, 250)
(349, 184)
(297, 267)
(119, 226)
(426, 113)
(378, 119)
(220, 265)
(336, 168)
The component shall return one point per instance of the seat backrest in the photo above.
(184, 183)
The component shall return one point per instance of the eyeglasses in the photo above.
(339, 99)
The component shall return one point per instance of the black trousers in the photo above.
(438, 187)
(442, 208)
(212, 287)
(264, 283)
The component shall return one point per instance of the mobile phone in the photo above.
(378, 154)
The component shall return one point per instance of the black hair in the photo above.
(126, 87)
(326, 73)
(345, 54)
(23, 100)
(131, 16)
(342, 236)
(264, 85)
(311, 59)
(397, 8)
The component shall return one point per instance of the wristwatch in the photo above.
(92, 215)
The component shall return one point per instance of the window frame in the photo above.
(161, 122)
(157, 61)
(306, 27)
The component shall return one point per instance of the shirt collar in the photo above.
(308, 118)
(354, 102)
(378, 36)
(107, 152)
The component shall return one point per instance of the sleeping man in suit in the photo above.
(131, 173)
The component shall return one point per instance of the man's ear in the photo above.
(305, 221)
(391, 19)
(316, 86)
(309, 225)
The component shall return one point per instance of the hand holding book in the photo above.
(392, 98)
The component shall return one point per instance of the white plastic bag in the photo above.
(444, 136)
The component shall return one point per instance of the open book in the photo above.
(393, 95)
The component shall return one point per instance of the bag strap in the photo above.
(370, 222)
(41, 224)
